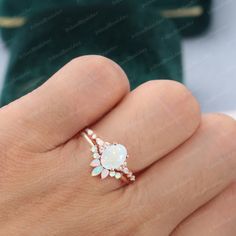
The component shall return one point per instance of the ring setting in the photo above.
(109, 159)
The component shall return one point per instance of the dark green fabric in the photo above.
(136, 36)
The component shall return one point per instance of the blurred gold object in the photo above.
(183, 12)
(12, 22)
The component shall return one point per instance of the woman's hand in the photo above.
(185, 164)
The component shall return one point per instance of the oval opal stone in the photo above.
(97, 170)
(113, 156)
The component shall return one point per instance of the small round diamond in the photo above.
(112, 173)
(94, 149)
(132, 178)
(129, 174)
(118, 175)
(126, 170)
(89, 131)
(99, 141)
(96, 155)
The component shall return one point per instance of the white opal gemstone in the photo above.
(95, 163)
(105, 173)
(97, 170)
(113, 156)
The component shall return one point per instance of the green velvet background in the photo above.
(132, 33)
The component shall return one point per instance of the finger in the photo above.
(190, 176)
(77, 95)
(151, 121)
(216, 218)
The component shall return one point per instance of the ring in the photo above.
(109, 159)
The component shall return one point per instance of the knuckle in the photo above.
(174, 91)
(183, 96)
(223, 131)
(173, 86)
(103, 70)
(222, 124)
(176, 100)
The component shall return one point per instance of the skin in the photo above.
(185, 162)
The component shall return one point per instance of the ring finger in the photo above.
(151, 121)
(216, 218)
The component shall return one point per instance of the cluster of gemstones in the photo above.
(108, 159)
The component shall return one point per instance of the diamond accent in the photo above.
(112, 173)
(118, 175)
(89, 132)
(94, 149)
(99, 141)
(96, 155)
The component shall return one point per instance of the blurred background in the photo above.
(209, 61)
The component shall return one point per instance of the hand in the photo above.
(185, 164)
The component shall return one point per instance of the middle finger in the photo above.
(151, 121)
